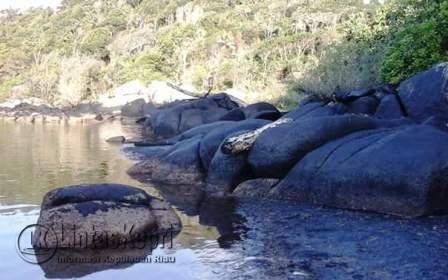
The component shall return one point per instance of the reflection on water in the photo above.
(38, 158)
(220, 239)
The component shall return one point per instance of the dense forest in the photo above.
(273, 50)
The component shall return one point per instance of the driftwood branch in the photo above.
(238, 144)
(184, 91)
(190, 93)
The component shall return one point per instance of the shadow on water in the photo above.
(281, 240)
(214, 212)
(68, 263)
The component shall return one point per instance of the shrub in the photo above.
(7, 84)
(146, 67)
(415, 49)
(81, 78)
(95, 42)
(116, 19)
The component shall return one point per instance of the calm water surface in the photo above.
(220, 239)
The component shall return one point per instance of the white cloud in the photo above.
(25, 4)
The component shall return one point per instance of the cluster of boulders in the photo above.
(380, 149)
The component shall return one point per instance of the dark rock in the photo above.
(364, 105)
(149, 109)
(200, 131)
(134, 109)
(277, 149)
(375, 171)
(177, 117)
(226, 171)
(191, 118)
(224, 101)
(425, 95)
(437, 122)
(99, 117)
(84, 108)
(93, 209)
(310, 99)
(261, 110)
(101, 192)
(141, 120)
(196, 117)
(255, 188)
(316, 109)
(234, 115)
(179, 164)
(116, 139)
(146, 152)
(350, 96)
(389, 108)
(211, 142)
(384, 90)
(215, 115)
(166, 122)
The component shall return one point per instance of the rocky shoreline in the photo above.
(381, 149)
(131, 100)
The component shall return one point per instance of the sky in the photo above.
(24, 4)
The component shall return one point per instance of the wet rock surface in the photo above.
(289, 241)
(125, 213)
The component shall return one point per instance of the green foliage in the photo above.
(419, 43)
(96, 41)
(276, 50)
(8, 84)
(415, 49)
(115, 19)
(146, 67)
(412, 34)
(199, 75)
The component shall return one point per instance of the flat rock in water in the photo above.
(122, 212)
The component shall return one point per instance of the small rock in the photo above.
(116, 139)
(99, 117)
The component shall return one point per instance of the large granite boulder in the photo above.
(351, 96)
(365, 105)
(225, 171)
(177, 117)
(176, 164)
(377, 91)
(278, 149)
(390, 108)
(402, 171)
(89, 212)
(426, 94)
(261, 110)
(234, 115)
(316, 109)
